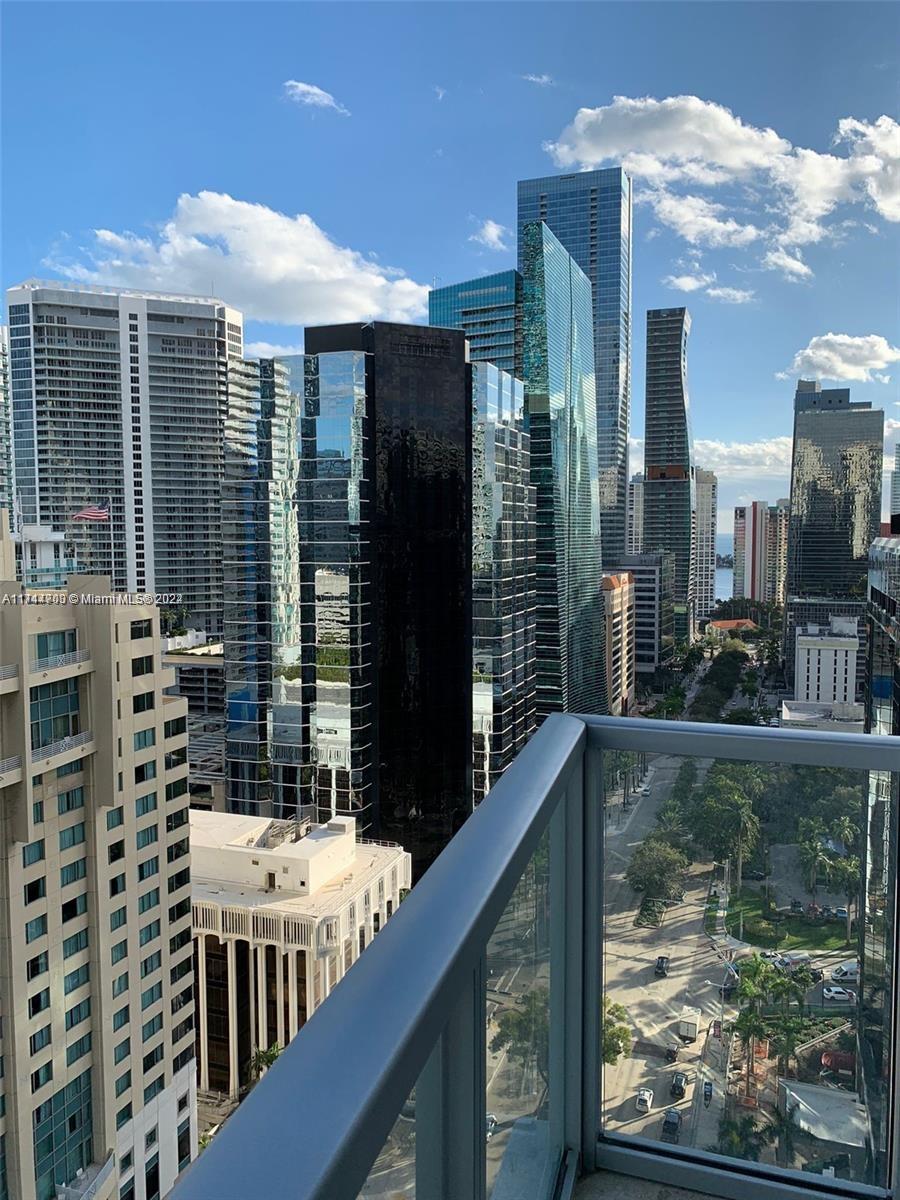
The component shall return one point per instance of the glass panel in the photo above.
(748, 965)
(518, 1039)
(393, 1174)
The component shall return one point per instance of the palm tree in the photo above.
(757, 980)
(844, 874)
(741, 1137)
(784, 1129)
(260, 1061)
(749, 1026)
(845, 830)
(813, 858)
(788, 1032)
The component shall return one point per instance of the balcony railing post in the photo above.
(451, 1104)
(593, 826)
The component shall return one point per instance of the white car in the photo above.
(838, 995)
(644, 1101)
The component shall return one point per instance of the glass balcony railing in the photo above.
(659, 949)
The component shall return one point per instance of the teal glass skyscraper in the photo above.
(489, 311)
(670, 498)
(562, 421)
(590, 213)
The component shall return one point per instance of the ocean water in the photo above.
(724, 582)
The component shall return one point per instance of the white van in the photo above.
(846, 972)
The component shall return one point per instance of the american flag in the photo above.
(93, 512)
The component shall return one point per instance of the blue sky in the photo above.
(317, 162)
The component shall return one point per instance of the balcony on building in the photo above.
(9, 679)
(494, 1041)
(96, 1182)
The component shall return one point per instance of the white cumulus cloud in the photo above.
(791, 266)
(314, 97)
(490, 234)
(731, 295)
(274, 267)
(540, 80)
(439, 91)
(842, 357)
(688, 283)
(768, 458)
(270, 350)
(699, 221)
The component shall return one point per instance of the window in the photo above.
(121, 1017)
(71, 768)
(123, 1116)
(122, 1051)
(120, 984)
(142, 665)
(151, 1027)
(116, 852)
(151, 963)
(41, 1076)
(144, 771)
(151, 995)
(153, 1058)
(175, 727)
(32, 853)
(179, 880)
(78, 1049)
(123, 1083)
(145, 804)
(50, 645)
(36, 966)
(38, 1002)
(145, 837)
(35, 928)
(142, 629)
(148, 868)
(177, 850)
(74, 907)
(176, 819)
(143, 703)
(39, 1040)
(119, 951)
(70, 800)
(144, 738)
(37, 812)
(35, 890)
(73, 872)
(78, 1013)
(178, 788)
(115, 817)
(54, 712)
(78, 941)
(179, 940)
(181, 969)
(77, 978)
(117, 919)
(117, 885)
(149, 900)
(149, 932)
(181, 909)
(73, 836)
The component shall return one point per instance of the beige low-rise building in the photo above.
(282, 909)
(618, 607)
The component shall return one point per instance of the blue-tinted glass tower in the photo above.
(489, 311)
(590, 213)
(562, 421)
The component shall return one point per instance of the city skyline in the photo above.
(716, 166)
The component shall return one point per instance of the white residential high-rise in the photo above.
(825, 664)
(96, 969)
(760, 550)
(634, 523)
(895, 483)
(118, 399)
(705, 552)
(6, 469)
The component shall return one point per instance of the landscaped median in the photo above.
(771, 930)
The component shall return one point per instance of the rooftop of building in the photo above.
(230, 852)
(617, 579)
(734, 623)
(102, 289)
(841, 717)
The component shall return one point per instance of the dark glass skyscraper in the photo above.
(670, 498)
(503, 598)
(590, 213)
(489, 311)
(561, 414)
(835, 491)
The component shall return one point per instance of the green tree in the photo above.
(260, 1061)
(524, 1032)
(844, 875)
(787, 1036)
(657, 869)
(749, 1027)
(784, 1129)
(757, 980)
(814, 859)
(741, 1137)
(615, 1032)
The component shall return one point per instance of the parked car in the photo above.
(678, 1088)
(752, 873)
(838, 995)
(644, 1100)
(662, 966)
(672, 1051)
(846, 972)
(841, 914)
(490, 1126)
(671, 1125)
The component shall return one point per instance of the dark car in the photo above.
(662, 965)
(752, 873)
(672, 1051)
(679, 1085)
(671, 1125)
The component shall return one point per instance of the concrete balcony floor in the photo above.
(606, 1185)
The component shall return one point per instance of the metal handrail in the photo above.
(60, 747)
(60, 660)
(9, 672)
(10, 764)
(73, 1192)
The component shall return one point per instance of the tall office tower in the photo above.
(878, 965)
(590, 213)
(707, 517)
(96, 967)
(562, 421)
(670, 496)
(348, 563)
(777, 551)
(835, 491)
(119, 400)
(634, 535)
(282, 911)
(503, 576)
(7, 486)
(653, 578)
(489, 311)
(618, 612)
(895, 493)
